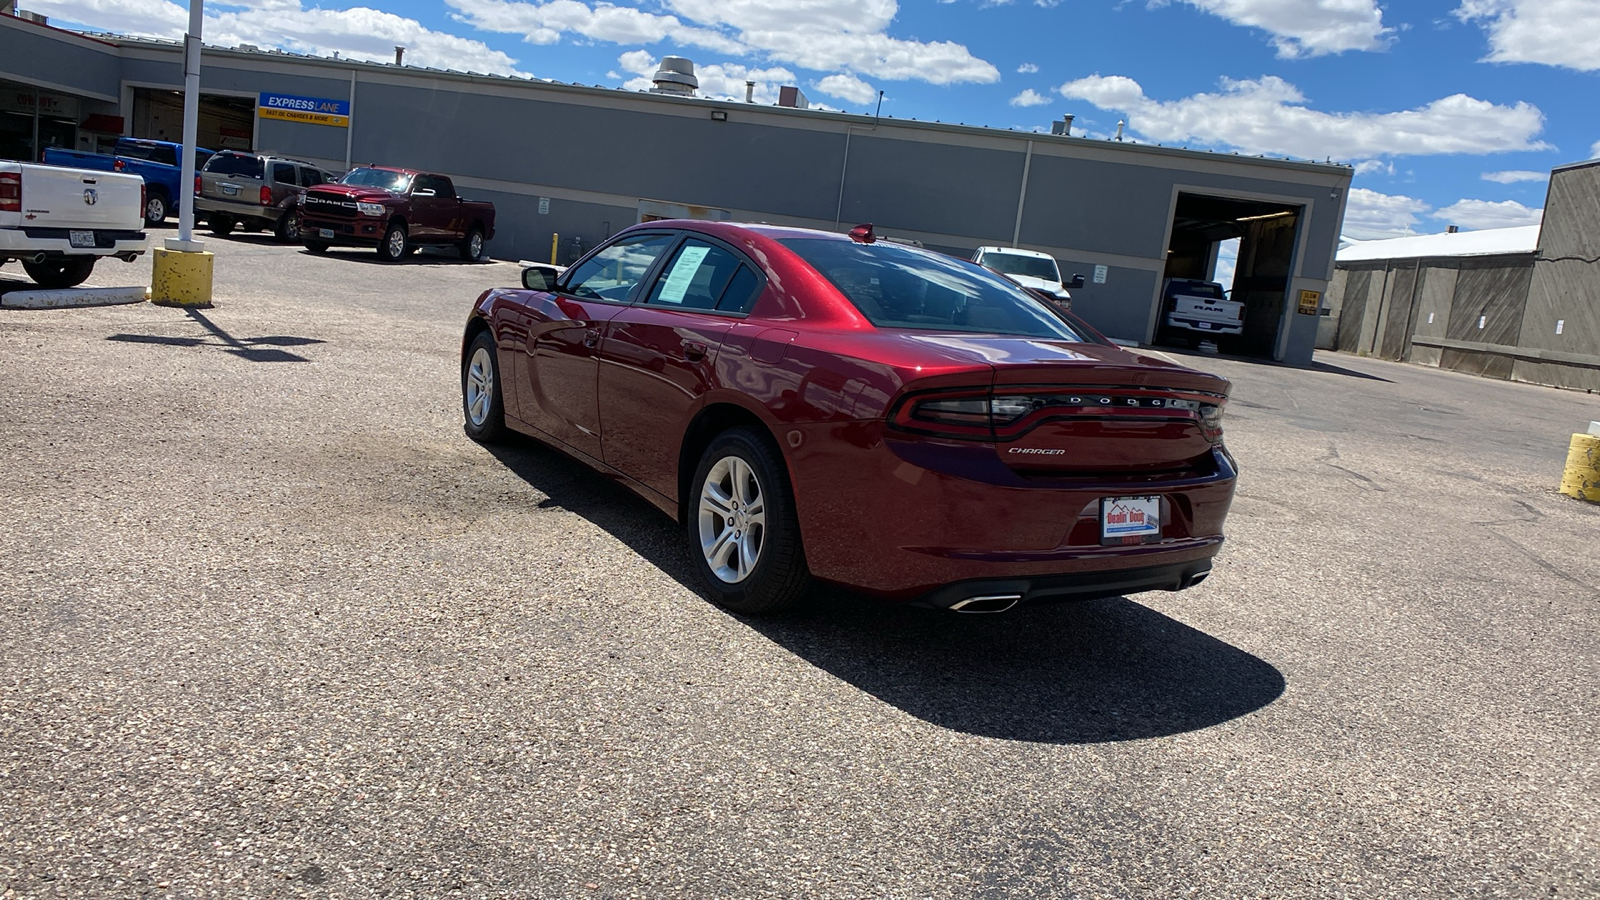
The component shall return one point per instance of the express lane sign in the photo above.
(310, 110)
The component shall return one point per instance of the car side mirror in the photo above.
(540, 277)
(425, 192)
(1076, 282)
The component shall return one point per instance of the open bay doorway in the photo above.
(1226, 281)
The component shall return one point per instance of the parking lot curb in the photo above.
(70, 298)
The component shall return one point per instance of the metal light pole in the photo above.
(191, 129)
(181, 272)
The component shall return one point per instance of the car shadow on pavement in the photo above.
(1073, 673)
(258, 349)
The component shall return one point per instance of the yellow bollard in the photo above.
(1582, 477)
(181, 279)
(555, 239)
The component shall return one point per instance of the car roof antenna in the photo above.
(863, 234)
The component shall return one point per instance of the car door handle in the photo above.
(694, 351)
(591, 338)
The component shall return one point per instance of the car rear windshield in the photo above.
(1198, 289)
(901, 287)
(1026, 266)
(378, 178)
(234, 164)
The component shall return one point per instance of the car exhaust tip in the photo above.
(987, 603)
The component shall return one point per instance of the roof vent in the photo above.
(676, 76)
(1453, 229)
(1063, 127)
(33, 17)
(791, 96)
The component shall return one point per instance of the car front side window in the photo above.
(614, 272)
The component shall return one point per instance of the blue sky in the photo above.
(1453, 111)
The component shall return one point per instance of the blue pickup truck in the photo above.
(155, 161)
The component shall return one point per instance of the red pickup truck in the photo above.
(396, 211)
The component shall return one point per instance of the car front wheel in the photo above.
(394, 244)
(481, 400)
(742, 529)
(288, 227)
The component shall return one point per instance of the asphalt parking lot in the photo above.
(272, 626)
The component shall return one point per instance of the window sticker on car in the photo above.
(683, 271)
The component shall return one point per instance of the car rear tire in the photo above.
(288, 228)
(472, 247)
(394, 243)
(155, 209)
(221, 224)
(482, 403)
(60, 272)
(741, 525)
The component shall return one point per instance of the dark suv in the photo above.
(254, 192)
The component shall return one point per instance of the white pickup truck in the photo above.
(59, 222)
(1200, 307)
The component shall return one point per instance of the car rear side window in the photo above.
(283, 173)
(235, 164)
(310, 177)
(901, 287)
(742, 291)
(615, 271)
(696, 278)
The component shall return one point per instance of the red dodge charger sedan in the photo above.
(816, 405)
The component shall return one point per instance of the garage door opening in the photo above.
(226, 123)
(1243, 249)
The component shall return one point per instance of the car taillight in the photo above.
(10, 192)
(118, 165)
(989, 416)
(266, 196)
(144, 199)
(197, 185)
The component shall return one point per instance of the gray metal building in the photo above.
(1513, 303)
(583, 162)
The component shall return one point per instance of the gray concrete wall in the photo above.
(1565, 288)
(1437, 292)
(33, 54)
(594, 154)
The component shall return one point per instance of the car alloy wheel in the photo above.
(740, 520)
(733, 519)
(394, 243)
(472, 247)
(479, 386)
(155, 209)
(480, 391)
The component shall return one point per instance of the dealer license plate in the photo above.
(81, 238)
(1130, 520)
(325, 233)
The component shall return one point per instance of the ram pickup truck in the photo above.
(396, 211)
(1199, 307)
(60, 222)
(155, 161)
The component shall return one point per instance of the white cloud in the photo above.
(1370, 215)
(847, 87)
(1030, 97)
(821, 35)
(358, 33)
(1027, 69)
(1302, 28)
(1514, 176)
(1268, 116)
(1594, 150)
(724, 81)
(1552, 32)
(1474, 214)
(1374, 167)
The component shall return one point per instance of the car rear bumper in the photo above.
(1000, 594)
(239, 209)
(19, 243)
(875, 520)
(1205, 326)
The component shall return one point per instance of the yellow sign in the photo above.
(1309, 301)
(309, 118)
